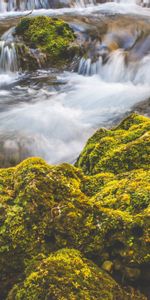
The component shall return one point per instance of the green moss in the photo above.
(52, 37)
(121, 149)
(91, 185)
(44, 208)
(132, 120)
(66, 275)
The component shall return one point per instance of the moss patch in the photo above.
(106, 216)
(51, 37)
(66, 275)
(124, 148)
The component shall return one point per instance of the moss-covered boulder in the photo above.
(44, 41)
(121, 149)
(66, 275)
(106, 215)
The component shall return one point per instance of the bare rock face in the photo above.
(143, 108)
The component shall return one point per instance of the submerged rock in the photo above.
(104, 215)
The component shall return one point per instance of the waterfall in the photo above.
(22, 5)
(83, 3)
(8, 55)
(116, 69)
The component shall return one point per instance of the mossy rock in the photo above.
(66, 275)
(46, 41)
(124, 148)
(106, 216)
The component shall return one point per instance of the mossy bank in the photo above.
(44, 41)
(100, 208)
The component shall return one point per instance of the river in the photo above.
(50, 113)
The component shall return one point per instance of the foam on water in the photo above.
(81, 7)
(57, 127)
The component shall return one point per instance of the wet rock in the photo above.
(143, 108)
(43, 41)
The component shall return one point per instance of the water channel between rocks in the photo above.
(51, 113)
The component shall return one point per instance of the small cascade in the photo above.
(116, 69)
(27, 4)
(8, 55)
(23, 5)
(83, 3)
(144, 3)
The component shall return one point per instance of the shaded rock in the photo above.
(132, 273)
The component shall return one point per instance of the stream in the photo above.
(51, 113)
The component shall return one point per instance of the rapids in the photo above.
(51, 114)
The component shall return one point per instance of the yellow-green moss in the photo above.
(106, 216)
(66, 275)
(121, 149)
(128, 192)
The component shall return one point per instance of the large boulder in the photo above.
(44, 41)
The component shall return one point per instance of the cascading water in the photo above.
(8, 55)
(116, 69)
(21, 5)
(52, 115)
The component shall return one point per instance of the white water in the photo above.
(116, 70)
(8, 59)
(56, 124)
(23, 5)
(77, 7)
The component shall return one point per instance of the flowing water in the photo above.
(51, 114)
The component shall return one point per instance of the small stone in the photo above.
(107, 266)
